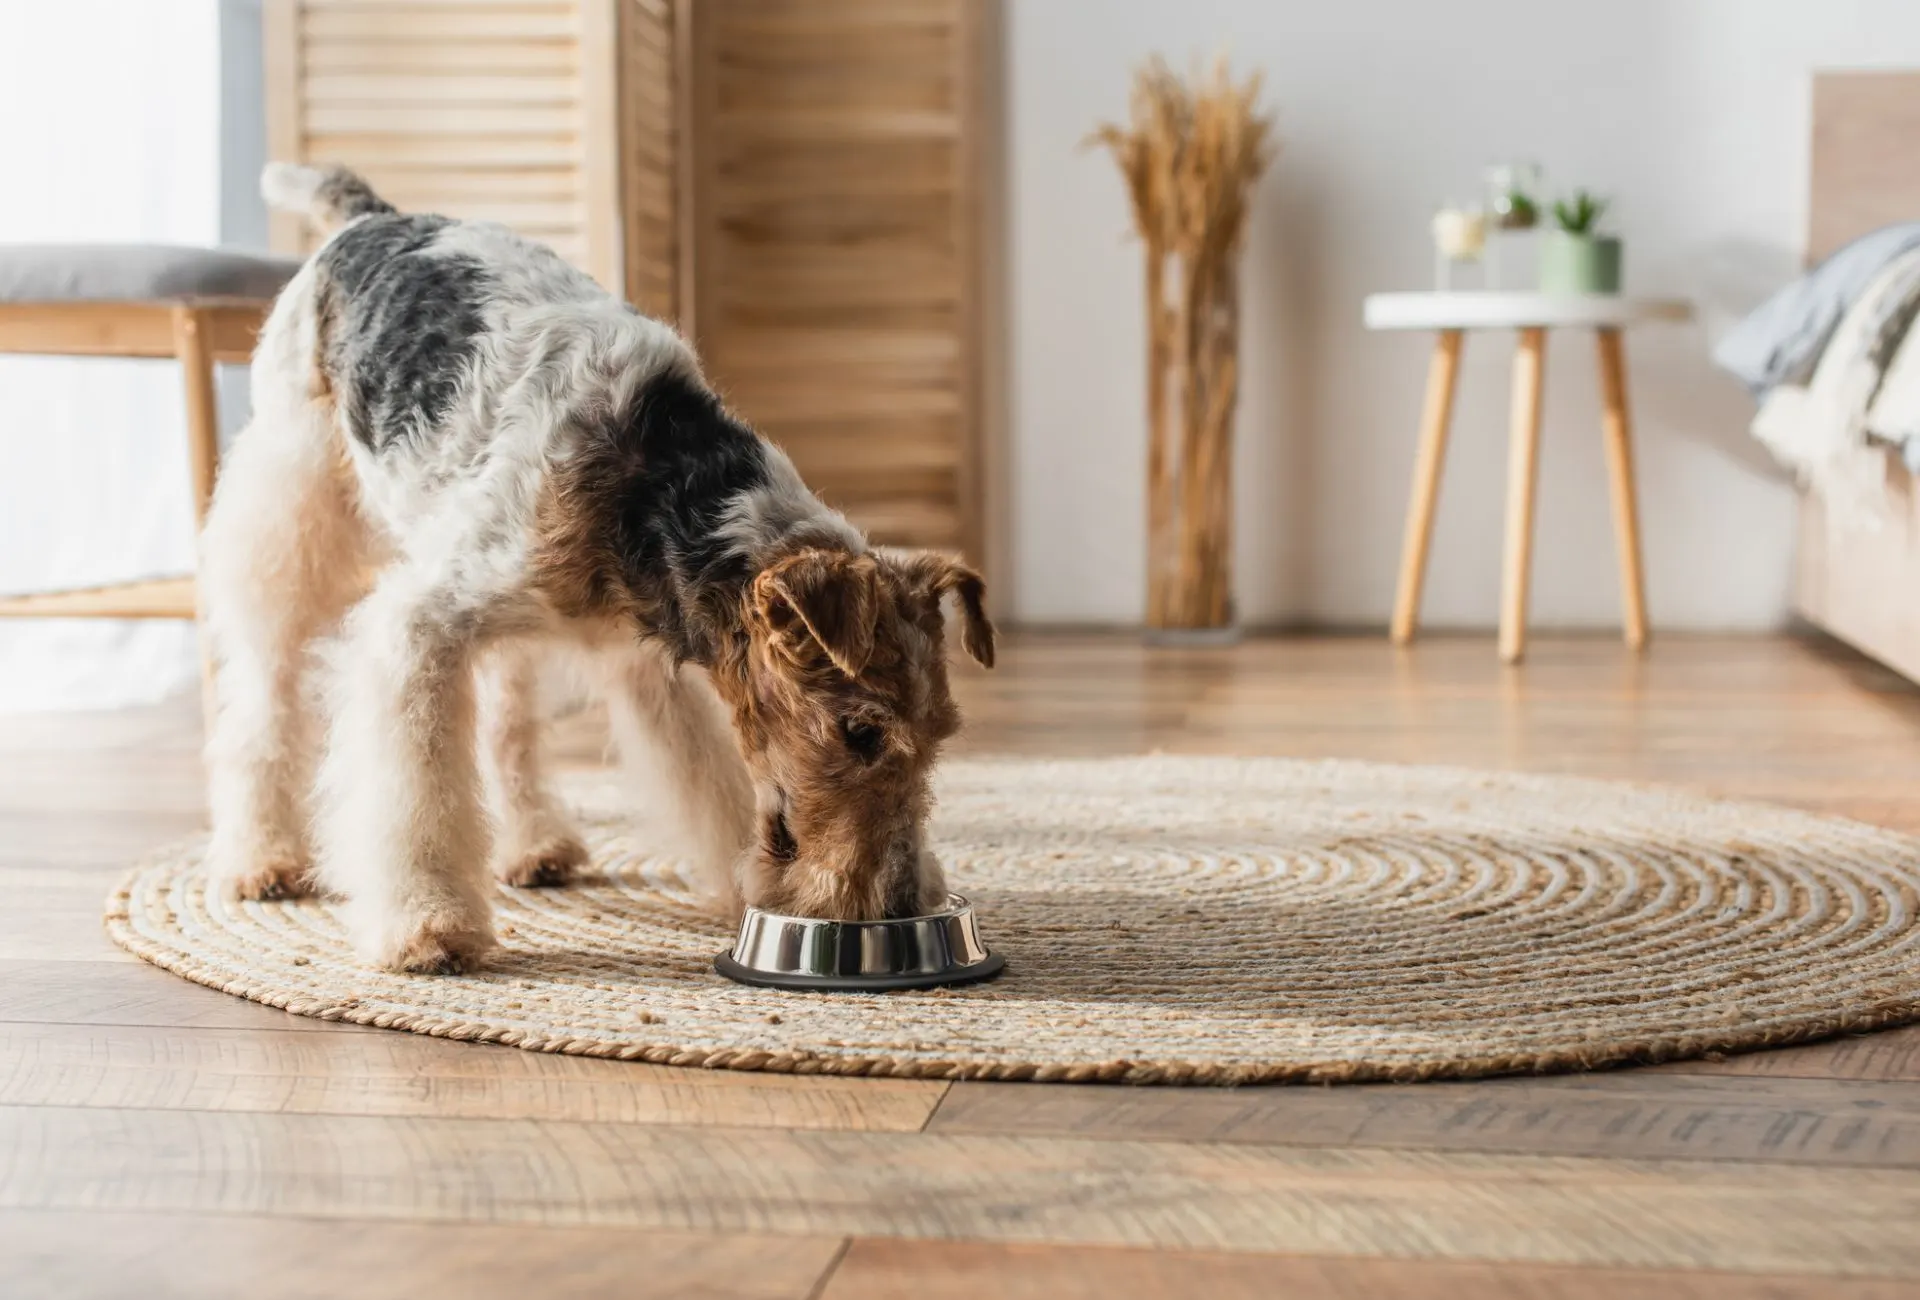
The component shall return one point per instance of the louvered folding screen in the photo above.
(835, 157)
(795, 181)
(473, 108)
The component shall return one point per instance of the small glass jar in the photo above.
(1459, 235)
(1513, 195)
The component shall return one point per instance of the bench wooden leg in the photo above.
(1618, 430)
(1435, 418)
(193, 344)
(1529, 372)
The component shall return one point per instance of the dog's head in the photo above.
(842, 705)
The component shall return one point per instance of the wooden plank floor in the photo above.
(161, 1140)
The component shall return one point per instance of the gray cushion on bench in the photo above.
(136, 273)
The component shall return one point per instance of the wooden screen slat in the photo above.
(556, 22)
(885, 443)
(811, 13)
(532, 57)
(837, 126)
(441, 120)
(456, 7)
(391, 88)
(527, 218)
(554, 151)
(408, 186)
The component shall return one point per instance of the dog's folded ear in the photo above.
(976, 633)
(830, 597)
(938, 574)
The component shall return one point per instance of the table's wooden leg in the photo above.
(1529, 370)
(1618, 429)
(1435, 418)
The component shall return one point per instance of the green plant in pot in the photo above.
(1574, 256)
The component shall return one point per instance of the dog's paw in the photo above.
(552, 862)
(439, 948)
(275, 878)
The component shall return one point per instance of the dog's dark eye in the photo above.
(863, 738)
(779, 840)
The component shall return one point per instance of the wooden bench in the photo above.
(196, 306)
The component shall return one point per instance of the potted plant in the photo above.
(1575, 258)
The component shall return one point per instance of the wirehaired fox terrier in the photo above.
(463, 452)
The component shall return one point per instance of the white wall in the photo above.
(159, 137)
(109, 131)
(1691, 113)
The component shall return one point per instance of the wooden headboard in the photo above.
(1857, 582)
(1866, 155)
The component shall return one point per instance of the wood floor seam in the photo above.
(825, 1279)
(933, 1112)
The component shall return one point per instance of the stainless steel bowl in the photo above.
(807, 954)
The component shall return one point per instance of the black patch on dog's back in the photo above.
(399, 325)
(683, 458)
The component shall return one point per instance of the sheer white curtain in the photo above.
(109, 131)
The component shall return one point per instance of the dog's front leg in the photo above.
(402, 830)
(676, 742)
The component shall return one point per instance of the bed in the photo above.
(1863, 585)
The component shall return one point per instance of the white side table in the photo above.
(1449, 316)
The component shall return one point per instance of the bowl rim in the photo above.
(958, 905)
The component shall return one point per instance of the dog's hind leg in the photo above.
(282, 557)
(678, 745)
(534, 841)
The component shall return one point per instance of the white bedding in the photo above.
(1894, 417)
(1864, 391)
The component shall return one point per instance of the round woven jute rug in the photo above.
(1183, 920)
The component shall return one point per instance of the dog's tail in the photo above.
(332, 196)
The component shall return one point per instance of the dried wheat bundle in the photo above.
(1190, 156)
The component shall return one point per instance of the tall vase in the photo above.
(1193, 387)
(1190, 155)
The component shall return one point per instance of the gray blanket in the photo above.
(1782, 339)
